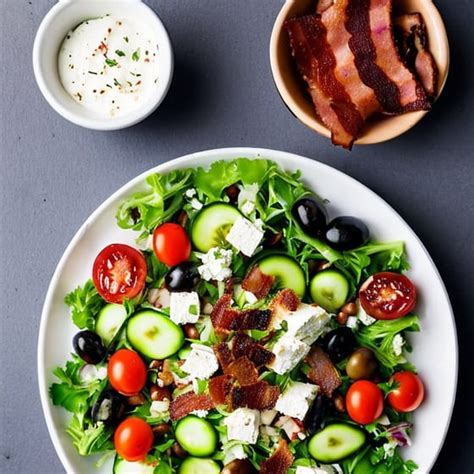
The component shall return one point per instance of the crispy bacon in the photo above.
(220, 388)
(377, 60)
(316, 62)
(223, 354)
(257, 282)
(242, 344)
(218, 315)
(259, 396)
(188, 402)
(279, 462)
(285, 301)
(322, 371)
(243, 370)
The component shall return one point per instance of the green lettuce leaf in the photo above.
(89, 438)
(84, 303)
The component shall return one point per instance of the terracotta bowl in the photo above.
(293, 92)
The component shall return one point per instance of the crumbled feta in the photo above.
(247, 197)
(244, 236)
(196, 204)
(200, 413)
(267, 416)
(397, 344)
(216, 264)
(242, 425)
(352, 322)
(91, 373)
(296, 399)
(250, 297)
(190, 193)
(234, 452)
(289, 426)
(364, 318)
(288, 351)
(307, 322)
(201, 362)
(184, 307)
(159, 407)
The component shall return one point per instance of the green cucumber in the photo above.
(196, 436)
(329, 289)
(121, 466)
(286, 270)
(184, 352)
(336, 442)
(109, 321)
(199, 466)
(154, 335)
(212, 224)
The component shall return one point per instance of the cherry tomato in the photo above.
(171, 244)
(364, 402)
(133, 439)
(119, 273)
(409, 394)
(127, 372)
(387, 295)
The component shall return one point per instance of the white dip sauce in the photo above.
(109, 65)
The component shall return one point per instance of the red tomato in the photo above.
(133, 439)
(127, 372)
(364, 402)
(119, 272)
(387, 295)
(409, 394)
(171, 244)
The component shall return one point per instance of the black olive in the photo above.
(310, 216)
(182, 277)
(88, 346)
(346, 233)
(339, 343)
(316, 415)
(109, 408)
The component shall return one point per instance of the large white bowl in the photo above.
(435, 348)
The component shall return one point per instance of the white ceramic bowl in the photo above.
(435, 350)
(66, 15)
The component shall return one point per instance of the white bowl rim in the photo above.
(104, 123)
(177, 162)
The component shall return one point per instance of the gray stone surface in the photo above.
(54, 174)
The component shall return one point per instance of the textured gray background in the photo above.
(54, 174)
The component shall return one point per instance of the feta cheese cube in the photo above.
(244, 236)
(267, 416)
(288, 351)
(216, 264)
(364, 318)
(296, 399)
(159, 408)
(242, 425)
(352, 322)
(397, 344)
(184, 307)
(307, 322)
(201, 362)
(234, 452)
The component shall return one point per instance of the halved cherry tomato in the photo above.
(387, 295)
(171, 244)
(409, 394)
(364, 402)
(119, 273)
(133, 439)
(127, 372)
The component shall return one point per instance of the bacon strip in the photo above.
(322, 371)
(223, 354)
(279, 462)
(220, 388)
(346, 71)
(257, 282)
(316, 62)
(188, 402)
(242, 344)
(244, 371)
(259, 396)
(377, 60)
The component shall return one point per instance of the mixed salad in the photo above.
(244, 332)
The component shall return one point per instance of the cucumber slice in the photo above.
(199, 466)
(154, 334)
(329, 289)
(197, 436)
(336, 442)
(212, 224)
(109, 321)
(286, 270)
(121, 466)
(184, 352)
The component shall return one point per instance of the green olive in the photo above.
(361, 364)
